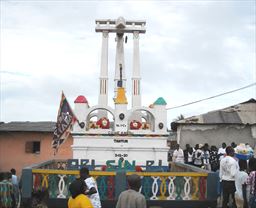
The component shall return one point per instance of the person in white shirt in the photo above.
(178, 155)
(222, 151)
(240, 181)
(228, 169)
(14, 177)
(198, 156)
(15, 182)
(92, 190)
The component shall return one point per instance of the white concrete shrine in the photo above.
(139, 133)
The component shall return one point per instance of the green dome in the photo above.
(160, 101)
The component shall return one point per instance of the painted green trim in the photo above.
(160, 101)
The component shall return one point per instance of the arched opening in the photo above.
(94, 122)
(141, 119)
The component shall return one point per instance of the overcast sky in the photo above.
(191, 50)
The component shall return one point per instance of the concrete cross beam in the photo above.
(120, 25)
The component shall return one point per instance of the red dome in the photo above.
(81, 99)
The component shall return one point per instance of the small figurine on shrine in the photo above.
(103, 123)
(135, 125)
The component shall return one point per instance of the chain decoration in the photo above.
(163, 188)
(53, 186)
(171, 188)
(45, 181)
(195, 188)
(154, 188)
(61, 186)
(187, 188)
(179, 182)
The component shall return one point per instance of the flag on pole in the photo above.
(65, 121)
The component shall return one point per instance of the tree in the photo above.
(180, 117)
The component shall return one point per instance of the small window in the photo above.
(32, 147)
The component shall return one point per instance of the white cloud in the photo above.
(191, 50)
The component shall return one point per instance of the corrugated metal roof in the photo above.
(247, 112)
(243, 113)
(252, 100)
(221, 117)
(46, 126)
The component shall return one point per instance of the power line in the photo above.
(179, 106)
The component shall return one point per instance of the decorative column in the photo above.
(103, 96)
(119, 61)
(136, 96)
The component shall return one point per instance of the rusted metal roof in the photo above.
(47, 126)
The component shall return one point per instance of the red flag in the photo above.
(65, 121)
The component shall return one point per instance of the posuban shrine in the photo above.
(138, 134)
(115, 142)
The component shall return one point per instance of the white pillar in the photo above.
(136, 96)
(103, 96)
(119, 60)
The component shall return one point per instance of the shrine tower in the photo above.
(139, 133)
(120, 26)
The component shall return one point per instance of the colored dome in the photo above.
(81, 99)
(160, 101)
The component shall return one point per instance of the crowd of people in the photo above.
(237, 175)
(237, 180)
(201, 155)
